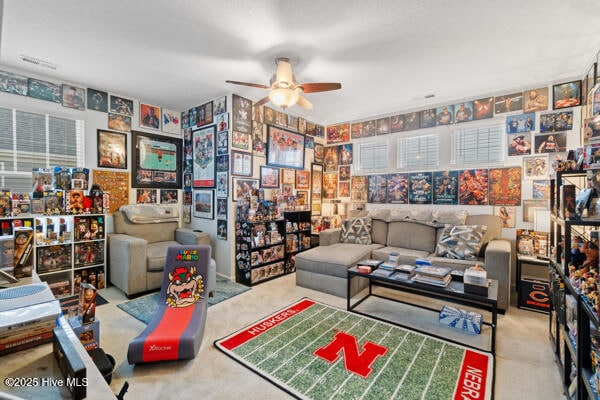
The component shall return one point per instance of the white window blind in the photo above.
(29, 140)
(372, 156)
(418, 151)
(478, 145)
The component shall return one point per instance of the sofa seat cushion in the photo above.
(157, 253)
(405, 256)
(453, 263)
(335, 259)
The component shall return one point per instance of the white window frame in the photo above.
(378, 162)
(418, 152)
(478, 145)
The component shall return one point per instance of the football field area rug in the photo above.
(315, 351)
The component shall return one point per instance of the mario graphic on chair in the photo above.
(184, 287)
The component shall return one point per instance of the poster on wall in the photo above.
(338, 133)
(397, 188)
(463, 112)
(508, 102)
(518, 144)
(285, 148)
(221, 208)
(222, 229)
(535, 167)
(520, 123)
(330, 185)
(473, 187)
(330, 158)
(535, 100)
(419, 191)
(345, 154)
(445, 187)
(483, 108)
(203, 204)
(242, 114)
(541, 189)
(507, 214)
(505, 186)
(553, 143)
(156, 161)
(556, 121)
(204, 157)
(358, 189)
(376, 190)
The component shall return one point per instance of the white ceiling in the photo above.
(388, 54)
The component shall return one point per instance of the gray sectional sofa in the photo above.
(413, 234)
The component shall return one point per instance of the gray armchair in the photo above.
(138, 247)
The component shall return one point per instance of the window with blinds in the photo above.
(418, 152)
(372, 156)
(478, 145)
(29, 140)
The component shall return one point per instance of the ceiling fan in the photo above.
(285, 91)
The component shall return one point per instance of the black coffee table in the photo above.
(454, 293)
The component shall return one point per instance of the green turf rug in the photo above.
(315, 351)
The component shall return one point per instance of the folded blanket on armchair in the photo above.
(150, 213)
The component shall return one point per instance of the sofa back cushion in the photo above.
(152, 232)
(411, 235)
(379, 231)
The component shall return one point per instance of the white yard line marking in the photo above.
(389, 360)
(408, 369)
(433, 371)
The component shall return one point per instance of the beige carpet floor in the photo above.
(525, 366)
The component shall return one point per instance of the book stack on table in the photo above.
(368, 266)
(433, 275)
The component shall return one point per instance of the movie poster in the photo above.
(330, 185)
(397, 188)
(358, 188)
(377, 189)
(473, 187)
(420, 187)
(344, 189)
(345, 154)
(330, 159)
(505, 186)
(445, 187)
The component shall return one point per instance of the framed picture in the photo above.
(285, 148)
(259, 139)
(97, 100)
(338, 133)
(241, 163)
(73, 97)
(302, 179)
(552, 143)
(187, 215)
(203, 204)
(43, 90)
(187, 181)
(507, 214)
(316, 172)
(223, 163)
(171, 121)
(566, 95)
(13, 83)
(221, 208)
(156, 161)
(146, 196)
(222, 229)
(112, 149)
(508, 103)
(269, 177)
(169, 196)
(529, 206)
(222, 184)
(149, 116)
(222, 122)
(121, 105)
(535, 167)
(119, 122)
(535, 100)
(204, 157)
(242, 114)
(220, 105)
(222, 143)
(243, 187)
(302, 197)
(288, 176)
(319, 152)
(241, 140)
(204, 114)
(483, 108)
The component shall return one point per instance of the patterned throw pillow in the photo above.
(356, 230)
(461, 242)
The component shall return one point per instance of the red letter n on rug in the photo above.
(358, 363)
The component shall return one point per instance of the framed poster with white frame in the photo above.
(203, 204)
(243, 187)
(204, 148)
(535, 167)
(221, 208)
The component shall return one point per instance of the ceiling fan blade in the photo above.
(319, 87)
(256, 85)
(303, 102)
(262, 101)
(284, 71)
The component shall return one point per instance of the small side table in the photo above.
(533, 292)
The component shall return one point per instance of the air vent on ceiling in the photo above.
(429, 96)
(37, 61)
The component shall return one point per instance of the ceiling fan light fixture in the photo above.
(283, 97)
